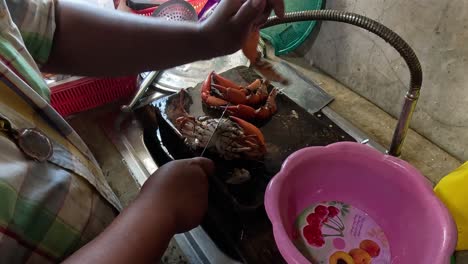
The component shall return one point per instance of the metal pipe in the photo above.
(389, 36)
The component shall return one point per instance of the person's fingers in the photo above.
(278, 6)
(248, 12)
(226, 9)
(207, 165)
(263, 18)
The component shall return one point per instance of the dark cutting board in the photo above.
(236, 216)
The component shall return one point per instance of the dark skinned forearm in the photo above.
(99, 42)
(140, 234)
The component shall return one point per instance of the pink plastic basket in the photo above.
(87, 93)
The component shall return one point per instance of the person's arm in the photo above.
(93, 41)
(172, 201)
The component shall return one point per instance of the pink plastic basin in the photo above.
(418, 226)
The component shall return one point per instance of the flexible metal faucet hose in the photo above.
(389, 36)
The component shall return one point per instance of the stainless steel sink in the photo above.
(126, 133)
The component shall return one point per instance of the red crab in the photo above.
(234, 138)
(240, 101)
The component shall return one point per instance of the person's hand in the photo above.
(227, 28)
(173, 200)
(181, 190)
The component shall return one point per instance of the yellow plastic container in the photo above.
(452, 190)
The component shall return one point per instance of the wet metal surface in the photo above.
(189, 75)
(236, 219)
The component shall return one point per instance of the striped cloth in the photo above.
(47, 210)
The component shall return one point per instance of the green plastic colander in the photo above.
(287, 37)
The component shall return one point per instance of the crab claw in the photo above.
(228, 91)
(259, 94)
(255, 85)
(215, 101)
(206, 87)
(218, 79)
(243, 111)
(232, 95)
(269, 108)
(250, 130)
(263, 113)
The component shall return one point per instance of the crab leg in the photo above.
(264, 67)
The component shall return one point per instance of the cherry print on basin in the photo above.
(336, 232)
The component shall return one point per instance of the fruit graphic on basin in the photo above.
(327, 229)
(322, 216)
(370, 247)
(360, 256)
(341, 257)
